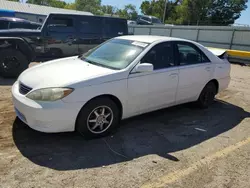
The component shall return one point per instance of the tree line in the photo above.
(179, 12)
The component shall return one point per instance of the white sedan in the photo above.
(123, 77)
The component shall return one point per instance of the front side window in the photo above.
(115, 53)
(188, 54)
(160, 56)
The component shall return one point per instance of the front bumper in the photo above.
(56, 116)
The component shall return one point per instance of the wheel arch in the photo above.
(216, 83)
(115, 99)
(17, 44)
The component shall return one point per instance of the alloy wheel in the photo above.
(100, 119)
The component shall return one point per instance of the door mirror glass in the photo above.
(144, 67)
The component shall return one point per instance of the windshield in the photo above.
(156, 20)
(115, 53)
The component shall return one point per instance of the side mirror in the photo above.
(143, 67)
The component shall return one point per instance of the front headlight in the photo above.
(49, 94)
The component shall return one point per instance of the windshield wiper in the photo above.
(98, 64)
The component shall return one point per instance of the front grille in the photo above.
(23, 89)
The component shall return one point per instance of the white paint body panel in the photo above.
(192, 79)
(137, 92)
(150, 91)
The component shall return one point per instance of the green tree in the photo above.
(14, 0)
(93, 6)
(156, 8)
(196, 12)
(225, 12)
(146, 8)
(71, 6)
(193, 12)
(51, 3)
(108, 9)
(129, 12)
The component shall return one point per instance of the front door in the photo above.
(157, 89)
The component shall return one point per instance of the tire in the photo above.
(207, 95)
(12, 63)
(85, 124)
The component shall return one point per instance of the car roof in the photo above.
(148, 16)
(88, 15)
(150, 38)
(13, 19)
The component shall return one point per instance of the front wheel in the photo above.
(207, 95)
(98, 118)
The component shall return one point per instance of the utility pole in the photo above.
(165, 9)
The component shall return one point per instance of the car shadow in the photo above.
(159, 132)
(7, 81)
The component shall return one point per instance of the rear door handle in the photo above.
(208, 68)
(173, 74)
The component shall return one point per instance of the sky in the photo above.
(245, 16)
(244, 19)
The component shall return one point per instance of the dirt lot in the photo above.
(176, 147)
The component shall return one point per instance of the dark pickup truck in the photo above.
(61, 35)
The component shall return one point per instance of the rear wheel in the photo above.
(12, 63)
(207, 95)
(98, 118)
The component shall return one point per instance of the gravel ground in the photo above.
(176, 147)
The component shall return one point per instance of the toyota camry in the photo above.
(121, 78)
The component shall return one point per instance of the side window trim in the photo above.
(192, 45)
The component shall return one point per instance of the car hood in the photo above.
(19, 33)
(62, 72)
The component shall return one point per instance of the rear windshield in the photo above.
(156, 20)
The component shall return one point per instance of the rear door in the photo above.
(195, 71)
(90, 32)
(60, 38)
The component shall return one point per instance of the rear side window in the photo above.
(146, 19)
(189, 54)
(3, 24)
(115, 27)
(155, 20)
(61, 22)
(91, 26)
